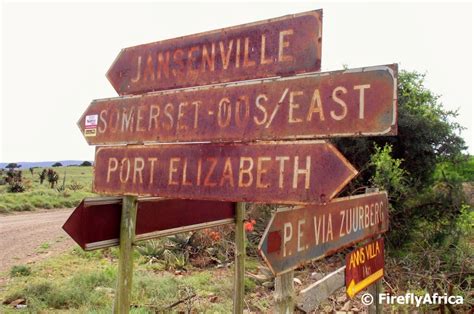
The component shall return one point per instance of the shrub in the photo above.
(20, 270)
(86, 164)
(57, 164)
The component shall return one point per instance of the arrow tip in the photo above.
(73, 226)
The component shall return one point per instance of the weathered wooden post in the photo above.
(125, 268)
(239, 258)
(284, 294)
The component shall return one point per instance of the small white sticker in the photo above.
(91, 121)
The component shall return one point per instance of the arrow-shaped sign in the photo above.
(364, 266)
(268, 172)
(354, 102)
(281, 46)
(95, 223)
(295, 236)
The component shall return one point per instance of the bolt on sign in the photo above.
(364, 266)
(355, 102)
(281, 46)
(267, 172)
(295, 236)
(95, 223)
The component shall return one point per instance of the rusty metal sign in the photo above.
(95, 223)
(268, 172)
(282, 46)
(355, 102)
(364, 266)
(295, 236)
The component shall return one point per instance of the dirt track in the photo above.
(28, 237)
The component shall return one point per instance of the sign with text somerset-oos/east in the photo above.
(296, 236)
(267, 172)
(280, 46)
(354, 102)
(95, 223)
(364, 266)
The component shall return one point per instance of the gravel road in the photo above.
(32, 236)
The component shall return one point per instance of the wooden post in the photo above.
(125, 268)
(374, 290)
(239, 258)
(284, 294)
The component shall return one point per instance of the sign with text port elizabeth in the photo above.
(267, 172)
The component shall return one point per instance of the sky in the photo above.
(54, 56)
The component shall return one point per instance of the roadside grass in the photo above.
(78, 185)
(79, 281)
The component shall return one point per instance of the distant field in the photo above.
(78, 184)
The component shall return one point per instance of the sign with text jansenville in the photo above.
(275, 172)
(280, 46)
(354, 102)
(295, 236)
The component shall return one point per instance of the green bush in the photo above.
(20, 270)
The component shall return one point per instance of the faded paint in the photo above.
(356, 102)
(281, 46)
(316, 231)
(95, 223)
(268, 172)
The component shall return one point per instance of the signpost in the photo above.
(355, 102)
(295, 236)
(364, 266)
(282, 46)
(95, 223)
(271, 172)
(169, 98)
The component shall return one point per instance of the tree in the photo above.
(12, 165)
(57, 164)
(86, 164)
(427, 135)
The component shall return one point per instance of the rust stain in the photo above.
(316, 231)
(281, 46)
(267, 172)
(355, 102)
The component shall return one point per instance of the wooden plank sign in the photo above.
(95, 223)
(281, 172)
(364, 266)
(281, 46)
(355, 102)
(295, 236)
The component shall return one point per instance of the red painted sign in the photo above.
(268, 172)
(354, 102)
(295, 236)
(364, 266)
(95, 223)
(281, 46)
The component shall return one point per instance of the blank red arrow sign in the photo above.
(95, 223)
(295, 236)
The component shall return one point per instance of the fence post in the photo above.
(284, 294)
(239, 258)
(125, 267)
